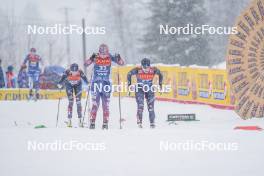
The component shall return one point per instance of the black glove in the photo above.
(118, 57)
(93, 57)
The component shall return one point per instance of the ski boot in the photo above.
(69, 123)
(92, 124)
(30, 95)
(105, 126)
(37, 95)
(80, 123)
(152, 125)
(139, 123)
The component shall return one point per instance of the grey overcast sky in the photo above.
(50, 9)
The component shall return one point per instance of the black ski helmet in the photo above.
(33, 50)
(10, 68)
(145, 63)
(74, 67)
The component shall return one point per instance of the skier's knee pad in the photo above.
(78, 102)
(78, 98)
(150, 108)
(141, 106)
(139, 111)
(70, 97)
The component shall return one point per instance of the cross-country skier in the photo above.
(145, 74)
(101, 77)
(73, 82)
(34, 70)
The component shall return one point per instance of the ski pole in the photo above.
(58, 111)
(87, 97)
(119, 99)
(19, 93)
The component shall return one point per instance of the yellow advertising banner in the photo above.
(23, 94)
(188, 85)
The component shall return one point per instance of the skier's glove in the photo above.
(93, 57)
(59, 86)
(118, 57)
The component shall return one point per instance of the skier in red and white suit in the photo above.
(101, 77)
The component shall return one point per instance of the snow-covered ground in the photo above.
(130, 151)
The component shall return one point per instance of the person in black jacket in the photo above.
(2, 78)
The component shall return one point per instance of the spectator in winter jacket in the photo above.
(10, 77)
(22, 79)
(2, 78)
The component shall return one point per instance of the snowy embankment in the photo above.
(130, 151)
